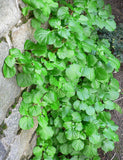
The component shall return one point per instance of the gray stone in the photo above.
(21, 34)
(12, 126)
(9, 15)
(21, 3)
(2, 151)
(8, 87)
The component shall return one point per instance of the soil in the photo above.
(117, 9)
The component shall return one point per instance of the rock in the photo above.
(2, 151)
(21, 34)
(9, 15)
(21, 4)
(12, 126)
(21, 144)
(8, 87)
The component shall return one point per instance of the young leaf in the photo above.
(25, 80)
(46, 132)
(10, 61)
(41, 36)
(108, 146)
(51, 151)
(9, 72)
(37, 151)
(26, 123)
(35, 110)
(78, 145)
(62, 12)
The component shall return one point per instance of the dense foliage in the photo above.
(116, 40)
(70, 71)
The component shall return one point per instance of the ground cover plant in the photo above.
(68, 72)
(115, 39)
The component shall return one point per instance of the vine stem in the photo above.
(113, 156)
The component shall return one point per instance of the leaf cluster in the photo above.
(70, 70)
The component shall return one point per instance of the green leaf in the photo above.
(95, 138)
(115, 63)
(9, 72)
(64, 33)
(101, 74)
(62, 12)
(90, 129)
(25, 79)
(114, 84)
(40, 16)
(37, 151)
(118, 108)
(111, 135)
(24, 109)
(27, 1)
(37, 3)
(89, 73)
(35, 110)
(41, 36)
(51, 151)
(64, 52)
(90, 150)
(78, 126)
(83, 20)
(35, 23)
(110, 25)
(76, 117)
(25, 10)
(29, 45)
(52, 56)
(72, 134)
(109, 105)
(15, 52)
(61, 138)
(68, 125)
(108, 146)
(58, 122)
(46, 133)
(55, 23)
(90, 110)
(99, 107)
(65, 149)
(91, 59)
(77, 145)
(92, 6)
(76, 105)
(42, 121)
(73, 72)
(83, 94)
(26, 123)
(10, 61)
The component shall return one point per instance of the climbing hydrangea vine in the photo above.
(68, 73)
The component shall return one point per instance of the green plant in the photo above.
(70, 71)
(115, 39)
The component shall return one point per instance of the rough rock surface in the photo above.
(8, 87)
(2, 151)
(17, 144)
(9, 15)
(21, 34)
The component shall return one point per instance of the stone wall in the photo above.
(15, 29)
